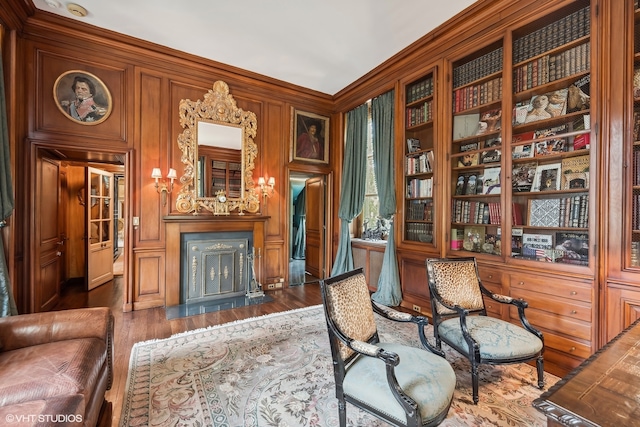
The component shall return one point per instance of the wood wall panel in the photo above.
(149, 279)
(150, 231)
(51, 121)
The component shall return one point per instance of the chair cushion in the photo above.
(426, 378)
(497, 338)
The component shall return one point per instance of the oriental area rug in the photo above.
(276, 370)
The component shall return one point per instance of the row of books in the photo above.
(422, 163)
(472, 96)
(478, 68)
(635, 211)
(419, 115)
(420, 210)
(636, 165)
(553, 35)
(565, 212)
(485, 182)
(419, 232)
(420, 188)
(568, 174)
(552, 140)
(475, 212)
(564, 247)
(552, 67)
(419, 90)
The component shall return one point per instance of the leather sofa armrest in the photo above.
(39, 328)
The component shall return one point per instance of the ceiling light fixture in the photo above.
(53, 4)
(77, 10)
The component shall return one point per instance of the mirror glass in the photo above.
(218, 153)
(219, 160)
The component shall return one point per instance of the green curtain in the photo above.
(7, 303)
(389, 291)
(353, 184)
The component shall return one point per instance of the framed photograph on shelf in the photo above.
(547, 177)
(309, 137)
(82, 97)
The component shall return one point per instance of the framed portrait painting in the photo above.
(82, 97)
(309, 137)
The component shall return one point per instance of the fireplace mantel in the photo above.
(178, 224)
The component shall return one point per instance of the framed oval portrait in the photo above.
(82, 97)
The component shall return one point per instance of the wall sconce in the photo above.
(267, 186)
(164, 189)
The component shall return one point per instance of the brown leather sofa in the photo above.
(55, 367)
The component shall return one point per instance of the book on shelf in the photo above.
(636, 82)
(553, 142)
(537, 246)
(575, 172)
(491, 181)
(520, 111)
(578, 97)
(516, 214)
(516, 241)
(544, 212)
(494, 154)
(636, 125)
(523, 176)
(582, 141)
(547, 106)
(465, 125)
(470, 159)
(547, 177)
(413, 145)
(490, 121)
(573, 247)
(457, 237)
(522, 151)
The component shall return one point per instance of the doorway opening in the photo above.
(307, 227)
(87, 230)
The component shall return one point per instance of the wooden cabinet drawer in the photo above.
(558, 306)
(568, 346)
(552, 286)
(546, 321)
(489, 275)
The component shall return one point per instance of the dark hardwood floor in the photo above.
(143, 325)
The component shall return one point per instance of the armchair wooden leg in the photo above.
(474, 382)
(342, 413)
(540, 366)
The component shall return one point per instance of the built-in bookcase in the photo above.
(551, 139)
(476, 152)
(633, 257)
(419, 160)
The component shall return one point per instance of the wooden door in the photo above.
(315, 226)
(99, 227)
(49, 236)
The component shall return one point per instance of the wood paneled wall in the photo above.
(146, 83)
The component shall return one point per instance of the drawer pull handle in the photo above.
(521, 283)
(573, 312)
(574, 293)
(491, 276)
(572, 349)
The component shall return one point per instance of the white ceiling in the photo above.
(321, 45)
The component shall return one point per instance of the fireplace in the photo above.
(252, 227)
(215, 265)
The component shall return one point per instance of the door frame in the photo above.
(326, 250)
(64, 152)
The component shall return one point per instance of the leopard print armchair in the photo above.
(411, 387)
(460, 319)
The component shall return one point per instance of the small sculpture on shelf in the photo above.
(378, 232)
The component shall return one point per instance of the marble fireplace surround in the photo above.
(176, 225)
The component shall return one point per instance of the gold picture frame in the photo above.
(82, 97)
(309, 137)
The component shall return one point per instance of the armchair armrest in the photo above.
(39, 328)
(392, 314)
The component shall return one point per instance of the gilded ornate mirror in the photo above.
(218, 153)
